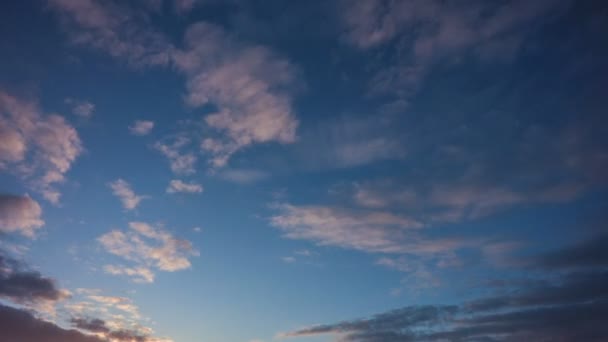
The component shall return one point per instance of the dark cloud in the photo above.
(590, 253)
(567, 306)
(21, 326)
(24, 286)
(96, 325)
(93, 325)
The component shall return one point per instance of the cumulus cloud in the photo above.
(147, 247)
(177, 185)
(250, 85)
(39, 149)
(81, 108)
(141, 127)
(122, 190)
(564, 307)
(19, 214)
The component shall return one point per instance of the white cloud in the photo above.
(19, 214)
(81, 108)
(139, 274)
(249, 84)
(181, 163)
(177, 185)
(39, 149)
(122, 190)
(147, 247)
(141, 127)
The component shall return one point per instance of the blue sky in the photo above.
(373, 171)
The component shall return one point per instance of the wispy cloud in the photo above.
(119, 30)
(141, 127)
(82, 108)
(128, 198)
(177, 185)
(370, 231)
(146, 247)
(39, 149)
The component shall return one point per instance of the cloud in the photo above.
(122, 190)
(39, 149)
(100, 327)
(243, 176)
(434, 200)
(370, 231)
(411, 37)
(19, 214)
(541, 318)
(249, 84)
(119, 30)
(564, 306)
(141, 127)
(592, 252)
(25, 286)
(147, 247)
(177, 185)
(81, 108)
(181, 163)
(20, 325)
(139, 274)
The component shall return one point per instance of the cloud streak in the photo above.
(566, 307)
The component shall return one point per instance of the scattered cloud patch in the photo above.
(141, 127)
(148, 248)
(122, 190)
(181, 163)
(177, 185)
(39, 149)
(251, 86)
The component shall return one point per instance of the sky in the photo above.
(348, 171)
